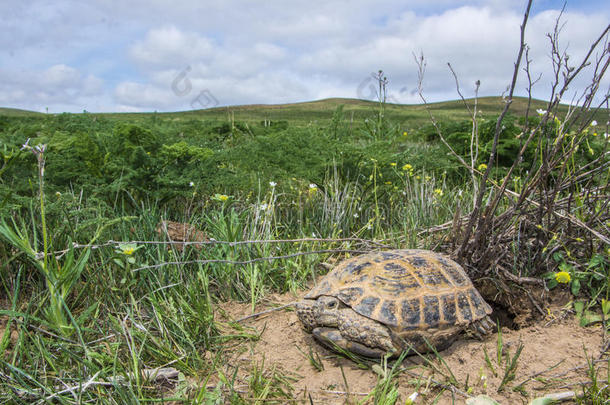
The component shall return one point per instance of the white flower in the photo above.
(263, 207)
(369, 226)
(272, 183)
(356, 215)
(191, 184)
(593, 123)
(312, 186)
(412, 398)
(540, 111)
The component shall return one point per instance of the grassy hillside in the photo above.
(15, 112)
(320, 111)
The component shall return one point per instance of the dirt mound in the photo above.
(553, 358)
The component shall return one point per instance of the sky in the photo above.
(160, 55)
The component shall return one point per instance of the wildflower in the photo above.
(388, 183)
(272, 183)
(418, 177)
(428, 178)
(356, 215)
(412, 398)
(404, 133)
(482, 167)
(220, 197)
(593, 123)
(127, 248)
(58, 194)
(393, 164)
(191, 184)
(540, 111)
(312, 186)
(438, 192)
(407, 167)
(563, 277)
(263, 207)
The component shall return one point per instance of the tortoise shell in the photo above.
(405, 289)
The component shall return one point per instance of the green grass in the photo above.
(89, 323)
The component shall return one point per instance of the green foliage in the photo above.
(126, 306)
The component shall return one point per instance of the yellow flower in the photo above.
(563, 277)
(404, 133)
(438, 192)
(388, 183)
(223, 197)
(407, 167)
(127, 249)
(393, 164)
(482, 167)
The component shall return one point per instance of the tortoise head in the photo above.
(339, 327)
(323, 311)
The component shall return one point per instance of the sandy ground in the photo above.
(552, 360)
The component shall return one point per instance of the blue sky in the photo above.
(145, 55)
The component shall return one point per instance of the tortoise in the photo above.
(392, 301)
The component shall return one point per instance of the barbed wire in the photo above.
(250, 261)
(113, 243)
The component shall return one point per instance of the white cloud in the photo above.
(168, 46)
(150, 52)
(59, 84)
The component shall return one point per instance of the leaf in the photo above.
(596, 260)
(579, 306)
(589, 318)
(575, 286)
(481, 400)
(605, 306)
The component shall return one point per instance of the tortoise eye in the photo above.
(332, 304)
